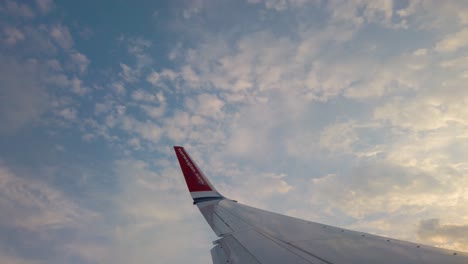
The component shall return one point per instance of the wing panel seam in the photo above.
(272, 238)
(240, 244)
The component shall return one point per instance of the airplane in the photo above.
(249, 235)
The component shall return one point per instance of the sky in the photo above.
(349, 113)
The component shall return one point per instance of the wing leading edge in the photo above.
(251, 235)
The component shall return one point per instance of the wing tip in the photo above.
(199, 186)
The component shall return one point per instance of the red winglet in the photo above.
(194, 177)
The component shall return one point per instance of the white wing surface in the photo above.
(250, 235)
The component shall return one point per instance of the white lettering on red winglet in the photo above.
(192, 168)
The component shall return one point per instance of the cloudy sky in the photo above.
(351, 113)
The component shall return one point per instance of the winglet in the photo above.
(199, 186)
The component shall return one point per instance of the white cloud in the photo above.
(80, 61)
(58, 79)
(175, 53)
(137, 47)
(9, 258)
(142, 95)
(460, 62)
(153, 78)
(453, 42)
(276, 4)
(243, 141)
(119, 88)
(433, 14)
(146, 208)
(35, 206)
(18, 9)
(206, 105)
(403, 194)
(168, 74)
(131, 73)
(62, 36)
(154, 111)
(282, 66)
(13, 35)
(422, 114)
(189, 74)
(77, 86)
(281, 96)
(135, 143)
(444, 235)
(158, 78)
(40, 214)
(45, 6)
(146, 130)
(277, 108)
(385, 190)
(303, 144)
(183, 126)
(193, 8)
(420, 52)
(395, 76)
(338, 137)
(104, 107)
(463, 15)
(128, 74)
(94, 130)
(257, 189)
(89, 251)
(68, 114)
(265, 126)
(359, 12)
(111, 121)
(60, 148)
(281, 5)
(54, 65)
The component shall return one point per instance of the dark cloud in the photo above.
(433, 230)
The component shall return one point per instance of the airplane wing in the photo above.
(251, 235)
